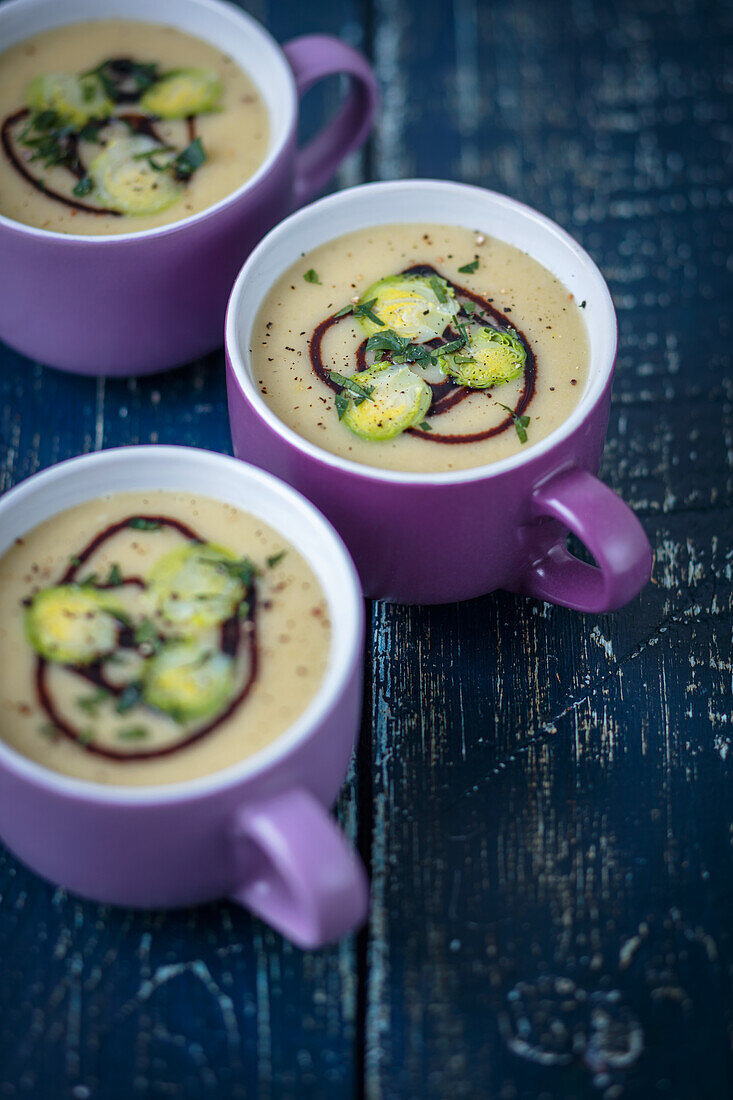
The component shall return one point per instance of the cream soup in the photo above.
(155, 637)
(420, 348)
(115, 126)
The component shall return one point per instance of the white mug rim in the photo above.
(278, 142)
(239, 360)
(344, 597)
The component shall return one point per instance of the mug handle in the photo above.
(610, 531)
(308, 882)
(313, 57)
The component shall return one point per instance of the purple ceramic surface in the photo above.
(258, 832)
(147, 301)
(433, 538)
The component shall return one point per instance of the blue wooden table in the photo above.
(543, 799)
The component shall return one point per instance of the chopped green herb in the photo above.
(90, 130)
(140, 523)
(342, 404)
(86, 736)
(360, 393)
(84, 186)
(114, 577)
(311, 276)
(403, 351)
(452, 345)
(89, 581)
(150, 154)
(520, 423)
(469, 308)
(425, 427)
(345, 310)
(185, 164)
(133, 733)
(244, 609)
(275, 558)
(48, 730)
(464, 360)
(50, 138)
(130, 697)
(115, 75)
(469, 269)
(438, 286)
(364, 309)
(583, 304)
(76, 562)
(146, 634)
(244, 570)
(91, 703)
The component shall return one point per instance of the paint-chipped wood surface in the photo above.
(544, 799)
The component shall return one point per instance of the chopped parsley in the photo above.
(146, 634)
(91, 703)
(366, 309)
(131, 696)
(114, 577)
(311, 276)
(185, 164)
(358, 392)
(275, 558)
(520, 423)
(84, 186)
(133, 733)
(469, 269)
(438, 285)
(244, 570)
(140, 523)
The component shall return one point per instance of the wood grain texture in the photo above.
(544, 798)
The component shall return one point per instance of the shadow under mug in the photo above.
(143, 302)
(258, 832)
(434, 538)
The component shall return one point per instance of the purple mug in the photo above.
(142, 302)
(258, 832)
(505, 522)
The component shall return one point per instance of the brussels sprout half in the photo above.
(75, 99)
(183, 92)
(128, 179)
(71, 625)
(490, 358)
(196, 586)
(398, 400)
(416, 306)
(189, 681)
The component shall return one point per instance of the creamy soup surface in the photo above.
(517, 348)
(69, 94)
(150, 657)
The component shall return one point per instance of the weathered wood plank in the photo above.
(552, 792)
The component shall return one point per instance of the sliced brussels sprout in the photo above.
(129, 178)
(198, 585)
(189, 681)
(398, 401)
(183, 92)
(490, 358)
(416, 306)
(75, 99)
(71, 625)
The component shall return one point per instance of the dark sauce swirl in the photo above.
(123, 91)
(238, 638)
(446, 394)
